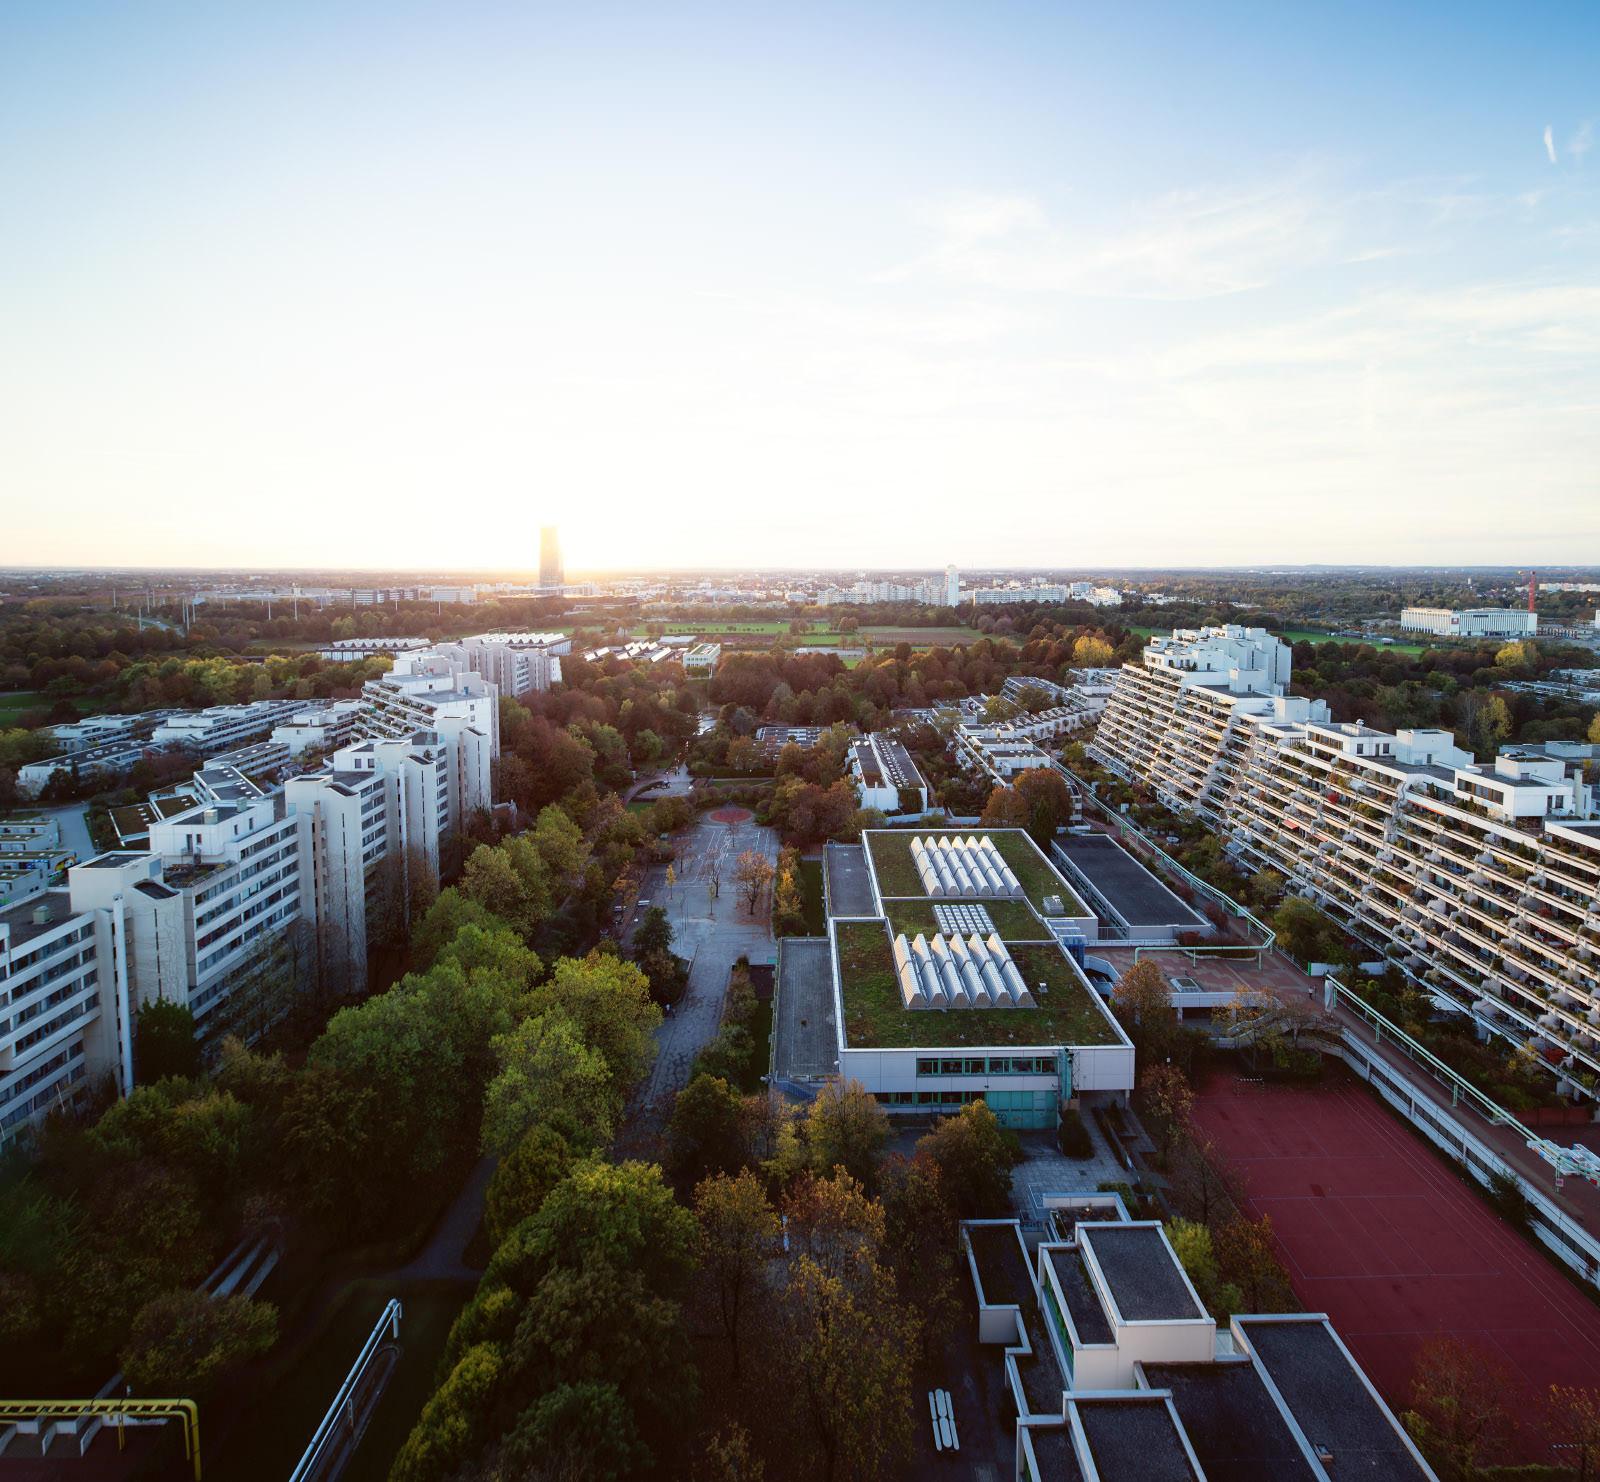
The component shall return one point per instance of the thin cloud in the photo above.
(1550, 142)
(1581, 142)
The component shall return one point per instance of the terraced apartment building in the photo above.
(1480, 879)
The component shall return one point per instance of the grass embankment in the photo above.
(875, 1017)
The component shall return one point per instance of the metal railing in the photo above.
(341, 1420)
(1268, 936)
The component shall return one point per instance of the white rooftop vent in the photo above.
(41, 915)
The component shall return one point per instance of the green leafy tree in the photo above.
(846, 1128)
(184, 1343)
(546, 1067)
(523, 1179)
(576, 1431)
(451, 1428)
(705, 1135)
(738, 1233)
(163, 1042)
(1460, 1411)
(1191, 1243)
(920, 1243)
(974, 1158)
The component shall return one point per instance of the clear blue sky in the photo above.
(747, 284)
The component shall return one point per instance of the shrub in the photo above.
(1074, 1136)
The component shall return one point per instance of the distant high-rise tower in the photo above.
(952, 587)
(550, 572)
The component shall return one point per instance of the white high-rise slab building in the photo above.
(1481, 879)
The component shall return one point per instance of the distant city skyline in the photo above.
(849, 287)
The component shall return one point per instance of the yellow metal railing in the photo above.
(186, 1411)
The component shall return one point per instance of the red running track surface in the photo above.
(729, 815)
(1377, 1232)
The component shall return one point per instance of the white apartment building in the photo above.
(1087, 591)
(886, 776)
(329, 725)
(435, 694)
(515, 663)
(1000, 596)
(220, 728)
(1470, 622)
(97, 762)
(101, 730)
(60, 1022)
(1483, 880)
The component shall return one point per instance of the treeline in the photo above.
(637, 1319)
(1461, 689)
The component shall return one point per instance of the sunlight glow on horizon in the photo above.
(890, 287)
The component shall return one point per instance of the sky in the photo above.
(866, 285)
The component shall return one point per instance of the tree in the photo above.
(164, 1043)
(183, 1343)
(1142, 1002)
(1247, 1255)
(1191, 1243)
(546, 1067)
(449, 1430)
(752, 875)
(622, 1213)
(1092, 653)
(1006, 808)
(974, 1159)
(919, 1240)
(729, 1456)
(1459, 1410)
(845, 1337)
(1170, 1103)
(1575, 1427)
(609, 1000)
(738, 1232)
(524, 1178)
(846, 1128)
(583, 1432)
(705, 1132)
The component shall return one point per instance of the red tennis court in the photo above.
(1379, 1234)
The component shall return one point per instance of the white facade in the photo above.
(320, 727)
(1245, 659)
(884, 773)
(61, 1018)
(1471, 622)
(515, 663)
(220, 728)
(1480, 879)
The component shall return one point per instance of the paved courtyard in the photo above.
(848, 882)
(713, 931)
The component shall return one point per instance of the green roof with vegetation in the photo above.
(890, 852)
(1014, 920)
(875, 1016)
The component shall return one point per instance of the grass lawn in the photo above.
(13, 703)
(812, 900)
(641, 805)
(1012, 919)
(874, 1017)
(897, 874)
(760, 1026)
(923, 637)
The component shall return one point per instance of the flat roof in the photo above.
(1145, 1279)
(1232, 1421)
(1054, 1453)
(1130, 889)
(20, 916)
(1083, 1302)
(849, 886)
(1136, 1439)
(1329, 1398)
